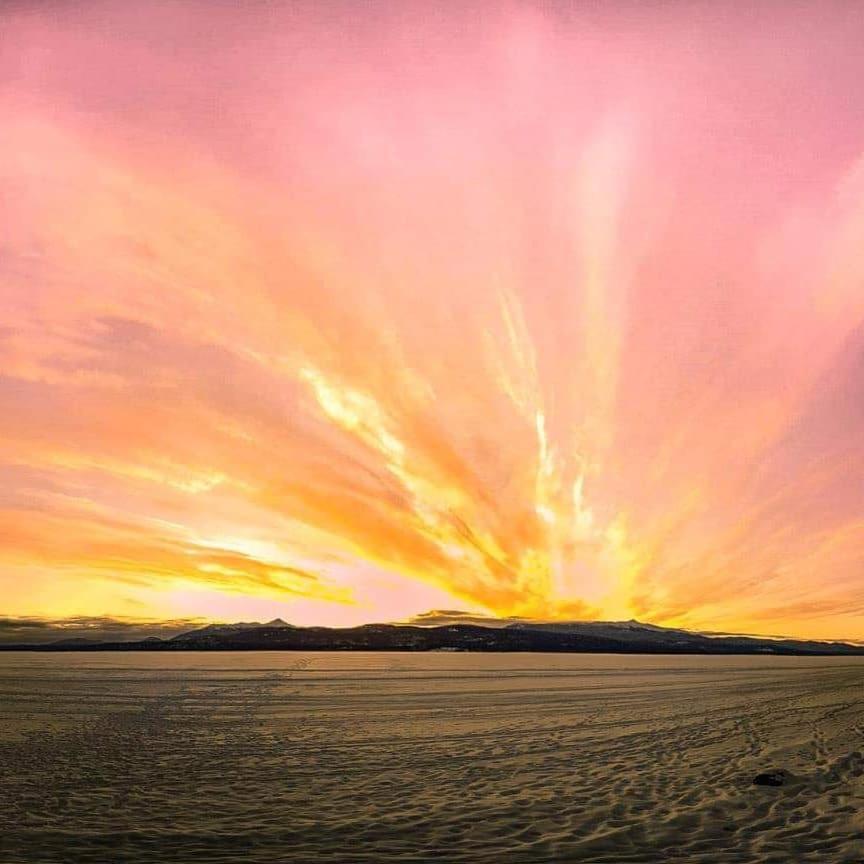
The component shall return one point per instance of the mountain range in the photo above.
(619, 637)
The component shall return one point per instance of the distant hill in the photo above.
(221, 630)
(615, 637)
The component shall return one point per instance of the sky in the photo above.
(343, 312)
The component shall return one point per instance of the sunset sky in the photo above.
(343, 312)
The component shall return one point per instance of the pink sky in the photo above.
(342, 312)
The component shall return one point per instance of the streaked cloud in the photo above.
(39, 631)
(443, 617)
(535, 314)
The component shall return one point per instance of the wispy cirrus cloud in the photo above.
(536, 314)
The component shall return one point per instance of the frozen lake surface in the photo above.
(379, 757)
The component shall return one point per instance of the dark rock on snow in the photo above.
(771, 778)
